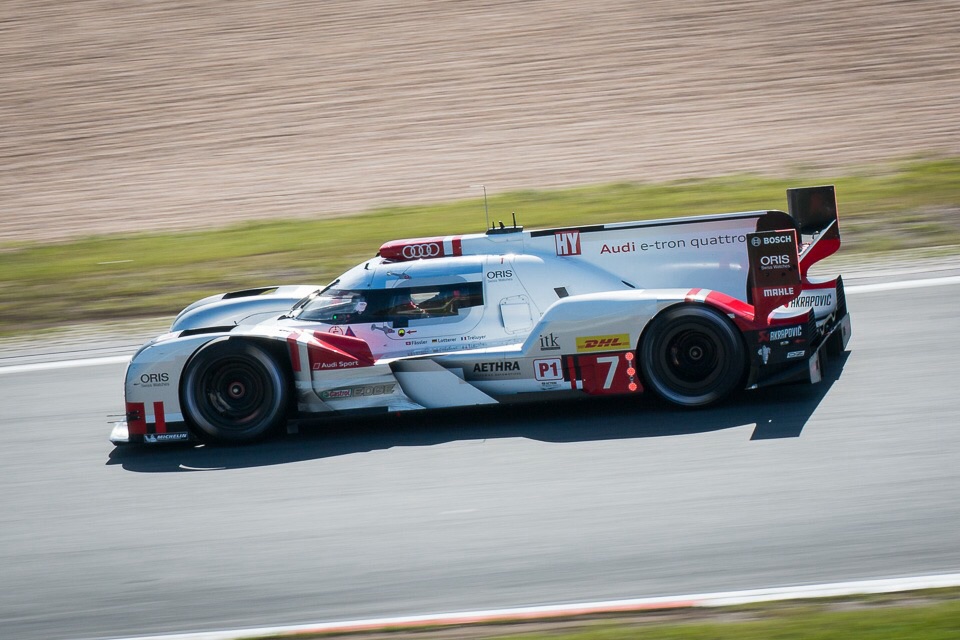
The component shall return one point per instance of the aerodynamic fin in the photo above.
(774, 270)
(815, 211)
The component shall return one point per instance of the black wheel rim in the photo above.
(233, 393)
(692, 357)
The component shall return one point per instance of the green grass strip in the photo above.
(907, 205)
(919, 615)
(929, 622)
(936, 622)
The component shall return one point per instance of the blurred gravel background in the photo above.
(161, 115)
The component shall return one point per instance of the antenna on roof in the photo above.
(486, 212)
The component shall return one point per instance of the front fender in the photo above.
(152, 387)
(240, 307)
(608, 314)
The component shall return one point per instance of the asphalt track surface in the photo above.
(855, 478)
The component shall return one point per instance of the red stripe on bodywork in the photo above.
(822, 248)
(350, 346)
(571, 367)
(457, 246)
(294, 351)
(743, 313)
(136, 418)
(159, 418)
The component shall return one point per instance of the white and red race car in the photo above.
(690, 309)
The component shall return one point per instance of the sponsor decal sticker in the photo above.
(774, 268)
(548, 369)
(496, 369)
(360, 391)
(774, 335)
(616, 342)
(342, 364)
(374, 390)
(700, 243)
(626, 247)
(500, 275)
(679, 243)
(776, 292)
(154, 438)
(155, 380)
(568, 243)
(774, 262)
(549, 343)
(781, 239)
(337, 331)
(425, 250)
(764, 353)
(783, 334)
(795, 354)
(817, 300)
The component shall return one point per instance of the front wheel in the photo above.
(234, 392)
(692, 356)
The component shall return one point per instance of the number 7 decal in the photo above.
(609, 374)
(611, 362)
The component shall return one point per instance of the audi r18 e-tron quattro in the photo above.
(690, 309)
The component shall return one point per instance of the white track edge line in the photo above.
(720, 599)
(64, 364)
(93, 362)
(903, 284)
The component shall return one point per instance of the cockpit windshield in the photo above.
(335, 306)
(343, 306)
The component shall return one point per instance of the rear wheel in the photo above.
(692, 356)
(234, 392)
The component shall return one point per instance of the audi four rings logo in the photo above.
(429, 250)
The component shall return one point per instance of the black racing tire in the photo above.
(692, 356)
(234, 391)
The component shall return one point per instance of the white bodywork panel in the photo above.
(434, 386)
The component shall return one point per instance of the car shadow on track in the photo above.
(776, 412)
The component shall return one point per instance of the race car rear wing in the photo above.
(785, 246)
(815, 211)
